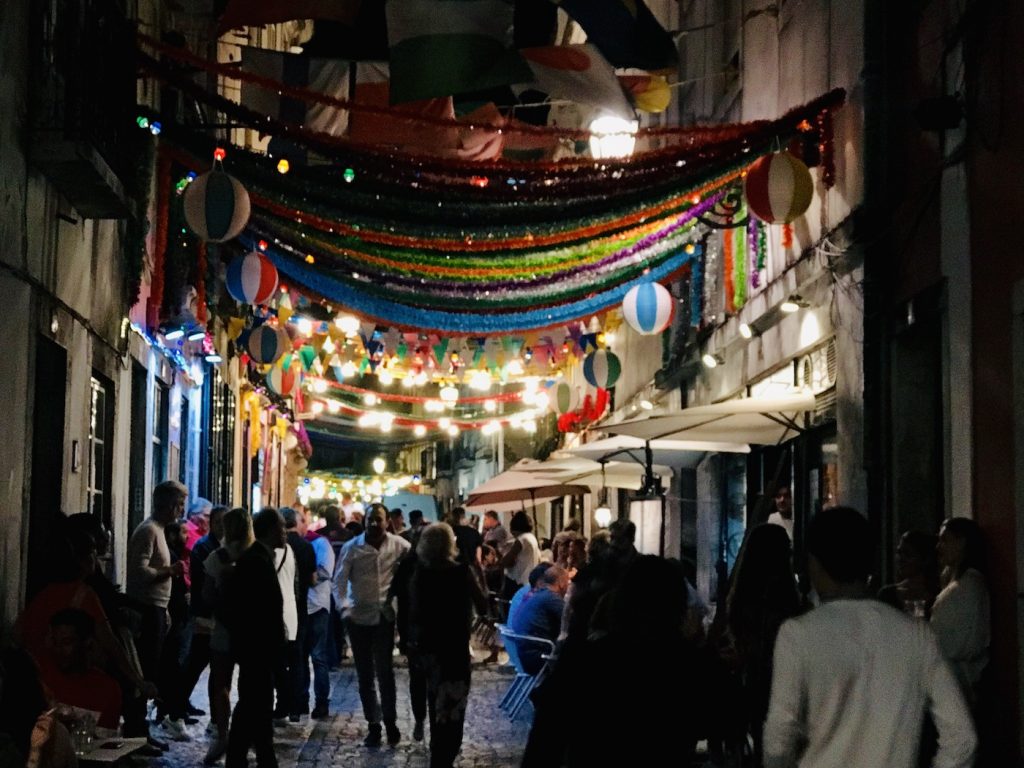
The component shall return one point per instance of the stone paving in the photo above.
(490, 738)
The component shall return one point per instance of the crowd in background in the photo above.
(283, 604)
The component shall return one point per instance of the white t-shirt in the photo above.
(284, 562)
(961, 618)
(786, 522)
(851, 682)
(527, 559)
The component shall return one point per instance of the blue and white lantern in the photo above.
(601, 369)
(648, 308)
(267, 343)
(216, 206)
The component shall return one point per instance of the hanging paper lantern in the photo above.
(564, 398)
(601, 369)
(216, 206)
(648, 308)
(778, 188)
(252, 279)
(267, 343)
(283, 380)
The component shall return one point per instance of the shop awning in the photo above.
(767, 421)
(674, 453)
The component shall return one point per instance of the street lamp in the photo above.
(612, 136)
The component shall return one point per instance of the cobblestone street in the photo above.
(490, 739)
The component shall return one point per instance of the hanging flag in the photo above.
(625, 31)
(578, 73)
(446, 47)
(255, 13)
(327, 76)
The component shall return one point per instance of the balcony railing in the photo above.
(83, 77)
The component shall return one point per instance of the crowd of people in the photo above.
(838, 674)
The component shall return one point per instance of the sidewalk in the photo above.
(490, 740)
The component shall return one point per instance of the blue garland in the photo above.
(696, 292)
(467, 323)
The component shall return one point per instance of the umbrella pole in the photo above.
(533, 504)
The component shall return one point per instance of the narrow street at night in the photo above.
(511, 384)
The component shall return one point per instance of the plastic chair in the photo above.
(524, 683)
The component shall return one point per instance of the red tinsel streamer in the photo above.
(685, 134)
(201, 283)
(163, 207)
(504, 397)
(787, 235)
(705, 144)
(826, 149)
(730, 288)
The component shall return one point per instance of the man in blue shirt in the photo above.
(540, 615)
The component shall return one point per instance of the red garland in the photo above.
(787, 235)
(826, 149)
(163, 207)
(201, 283)
(504, 397)
(593, 409)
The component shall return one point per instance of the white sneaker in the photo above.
(174, 730)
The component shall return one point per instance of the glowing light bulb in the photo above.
(333, 406)
(480, 380)
(384, 377)
(348, 370)
(347, 324)
(317, 407)
(408, 381)
(453, 431)
(305, 326)
(370, 399)
(490, 406)
(444, 422)
(283, 166)
(449, 394)
(419, 430)
(379, 465)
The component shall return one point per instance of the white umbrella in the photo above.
(764, 421)
(674, 453)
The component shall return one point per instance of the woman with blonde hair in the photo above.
(443, 593)
(238, 537)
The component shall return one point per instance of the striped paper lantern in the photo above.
(564, 398)
(216, 206)
(601, 369)
(252, 279)
(283, 381)
(267, 343)
(648, 308)
(778, 188)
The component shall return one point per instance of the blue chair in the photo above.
(524, 682)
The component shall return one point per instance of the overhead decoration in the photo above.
(216, 206)
(564, 398)
(252, 279)
(601, 369)
(648, 308)
(283, 379)
(267, 343)
(778, 188)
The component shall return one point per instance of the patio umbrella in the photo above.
(504, 491)
(764, 421)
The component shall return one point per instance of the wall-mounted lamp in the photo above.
(712, 361)
(793, 304)
(603, 513)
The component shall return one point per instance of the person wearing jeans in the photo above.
(362, 583)
(148, 583)
(318, 608)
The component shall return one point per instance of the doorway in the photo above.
(48, 413)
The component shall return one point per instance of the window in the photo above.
(159, 433)
(219, 429)
(100, 457)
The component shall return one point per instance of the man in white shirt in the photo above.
(364, 574)
(783, 514)
(852, 679)
(148, 582)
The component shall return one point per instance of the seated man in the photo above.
(521, 593)
(67, 671)
(540, 615)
